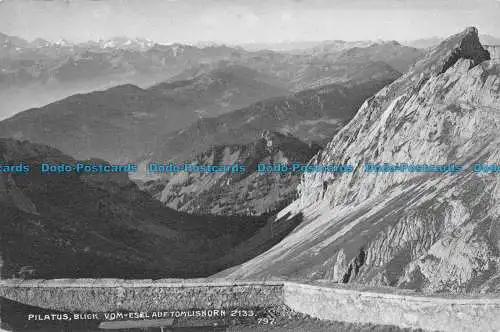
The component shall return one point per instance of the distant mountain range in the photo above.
(124, 121)
(398, 56)
(121, 123)
(431, 42)
(223, 89)
(312, 116)
(324, 65)
(33, 74)
(138, 44)
(261, 133)
(306, 46)
(218, 107)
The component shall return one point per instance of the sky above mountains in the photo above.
(245, 21)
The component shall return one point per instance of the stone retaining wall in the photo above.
(342, 303)
(87, 295)
(407, 311)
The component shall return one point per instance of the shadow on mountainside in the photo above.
(93, 226)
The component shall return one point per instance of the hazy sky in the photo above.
(242, 21)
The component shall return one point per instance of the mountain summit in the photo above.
(426, 231)
(465, 45)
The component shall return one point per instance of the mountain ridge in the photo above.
(119, 123)
(428, 232)
(310, 115)
(228, 193)
(44, 72)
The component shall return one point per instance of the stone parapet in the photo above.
(323, 300)
(141, 295)
(430, 313)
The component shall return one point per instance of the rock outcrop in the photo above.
(427, 231)
(236, 193)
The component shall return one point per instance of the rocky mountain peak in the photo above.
(422, 230)
(442, 80)
(469, 48)
(253, 192)
(464, 45)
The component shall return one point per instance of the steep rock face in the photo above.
(427, 231)
(228, 193)
(439, 117)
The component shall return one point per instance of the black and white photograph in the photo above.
(250, 165)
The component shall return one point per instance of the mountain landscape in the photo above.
(310, 115)
(38, 73)
(33, 74)
(296, 47)
(431, 232)
(332, 103)
(102, 225)
(398, 56)
(191, 118)
(301, 165)
(133, 121)
(228, 193)
(426, 43)
(120, 123)
(225, 88)
(325, 66)
(295, 127)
